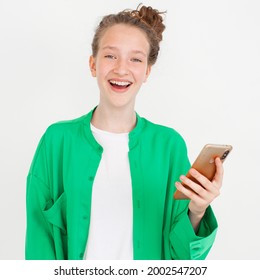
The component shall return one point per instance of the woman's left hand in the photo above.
(202, 195)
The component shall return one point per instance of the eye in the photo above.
(136, 59)
(110, 56)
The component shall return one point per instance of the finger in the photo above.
(198, 189)
(204, 181)
(207, 188)
(218, 178)
(189, 193)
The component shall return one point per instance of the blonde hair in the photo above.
(147, 19)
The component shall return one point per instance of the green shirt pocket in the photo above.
(55, 213)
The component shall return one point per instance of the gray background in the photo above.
(204, 85)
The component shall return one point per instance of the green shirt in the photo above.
(59, 187)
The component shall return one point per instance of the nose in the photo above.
(121, 67)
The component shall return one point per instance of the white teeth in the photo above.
(120, 83)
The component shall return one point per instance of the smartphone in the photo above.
(205, 163)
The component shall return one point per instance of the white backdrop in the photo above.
(204, 85)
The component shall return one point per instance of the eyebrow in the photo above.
(116, 49)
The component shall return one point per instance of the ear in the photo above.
(148, 71)
(92, 65)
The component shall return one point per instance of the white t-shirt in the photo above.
(111, 222)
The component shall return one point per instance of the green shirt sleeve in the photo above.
(39, 243)
(185, 244)
(188, 245)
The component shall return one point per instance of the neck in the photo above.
(117, 120)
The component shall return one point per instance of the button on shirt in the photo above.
(111, 221)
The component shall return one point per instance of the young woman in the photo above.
(101, 186)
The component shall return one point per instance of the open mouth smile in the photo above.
(120, 84)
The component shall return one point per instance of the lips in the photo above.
(120, 84)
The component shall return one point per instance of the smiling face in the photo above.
(121, 65)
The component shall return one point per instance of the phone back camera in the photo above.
(225, 155)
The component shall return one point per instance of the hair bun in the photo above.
(151, 17)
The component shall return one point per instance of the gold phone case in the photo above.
(205, 163)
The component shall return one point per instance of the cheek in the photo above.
(142, 75)
(100, 73)
(103, 69)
